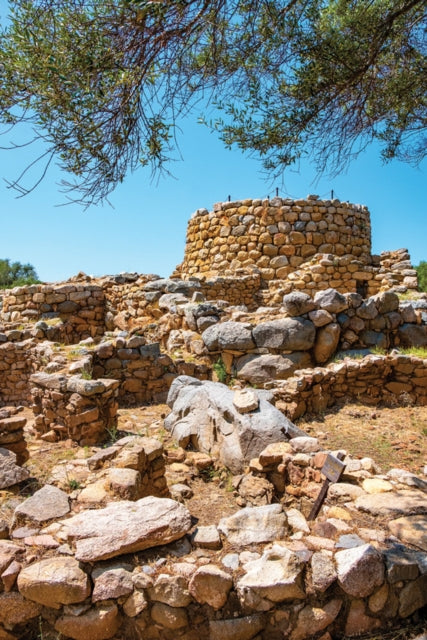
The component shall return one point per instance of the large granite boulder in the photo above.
(285, 334)
(229, 335)
(258, 369)
(203, 415)
(297, 303)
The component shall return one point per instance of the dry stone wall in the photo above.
(393, 379)
(72, 407)
(306, 245)
(307, 331)
(276, 235)
(81, 307)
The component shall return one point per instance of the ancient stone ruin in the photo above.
(278, 311)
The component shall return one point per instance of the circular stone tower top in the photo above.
(276, 236)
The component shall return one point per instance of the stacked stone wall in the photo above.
(71, 407)
(310, 331)
(143, 371)
(390, 380)
(16, 367)
(12, 434)
(243, 289)
(81, 307)
(275, 235)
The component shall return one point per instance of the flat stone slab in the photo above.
(47, 503)
(411, 530)
(126, 527)
(254, 525)
(393, 503)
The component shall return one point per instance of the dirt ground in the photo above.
(393, 437)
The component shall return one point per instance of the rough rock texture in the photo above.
(275, 577)
(47, 503)
(258, 369)
(54, 581)
(291, 334)
(10, 472)
(125, 527)
(99, 623)
(204, 415)
(411, 530)
(254, 525)
(210, 585)
(228, 335)
(359, 570)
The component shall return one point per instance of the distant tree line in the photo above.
(15, 274)
(422, 275)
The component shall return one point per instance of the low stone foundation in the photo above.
(71, 407)
(391, 380)
(12, 433)
(81, 307)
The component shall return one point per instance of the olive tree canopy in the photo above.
(104, 82)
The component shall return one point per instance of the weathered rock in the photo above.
(99, 623)
(290, 334)
(393, 503)
(401, 564)
(274, 453)
(135, 604)
(256, 491)
(376, 485)
(413, 596)
(10, 472)
(54, 581)
(111, 582)
(386, 301)
(413, 335)
(245, 400)
(320, 317)
(323, 571)
(236, 628)
(15, 609)
(275, 577)
(9, 575)
(171, 590)
(330, 300)
(169, 617)
(47, 503)
(359, 570)
(125, 483)
(204, 414)
(311, 620)
(345, 491)
(357, 620)
(255, 525)
(259, 369)
(327, 339)
(297, 303)
(210, 585)
(207, 537)
(411, 530)
(126, 527)
(304, 444)
(229, 336)
(170, 301)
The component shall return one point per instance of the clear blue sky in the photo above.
(145, 231)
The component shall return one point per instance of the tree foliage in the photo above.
(104, 82)
(14, 274)
(421, 270)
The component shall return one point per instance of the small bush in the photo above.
(219, 368)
